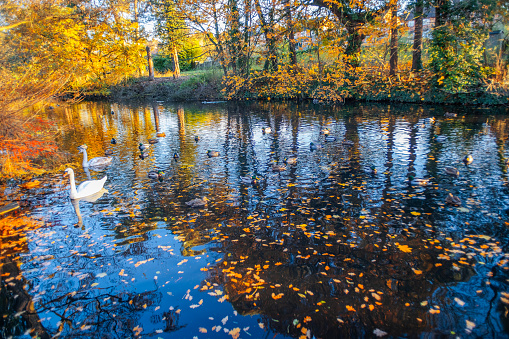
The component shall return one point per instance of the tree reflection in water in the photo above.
(327, 247)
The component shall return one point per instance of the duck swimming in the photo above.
(249, 180)
(278, 168)
(143, 147)
(155, 174)
(453, 200)
(175, 156)
(314, 146)
(153, 141)
(290, 161)
(113, 141)
(418, 182)
(197, 202)
(325, 131)
(452, 171)
(468, 159)
(212, 153)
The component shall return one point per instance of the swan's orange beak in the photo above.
(65, 174)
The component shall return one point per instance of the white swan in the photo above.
(86, 188)
(95, 162)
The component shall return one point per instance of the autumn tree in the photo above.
(393, 61)
(457, 48)
(354, 15)
(171, 30)
(417, 42)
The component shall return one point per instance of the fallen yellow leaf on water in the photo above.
(279, 296)
(415, 213)
(416, 271)
(31, 184)
(350, 308)
(404, 248)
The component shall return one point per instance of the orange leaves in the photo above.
(278, 296)
(350, 308)
(404, 248)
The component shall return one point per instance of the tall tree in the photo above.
(268, 18)
(393, 61)
(292, 52)
(355, 15)
(417, 45)
(171, 29)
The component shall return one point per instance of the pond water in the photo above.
(325, 247)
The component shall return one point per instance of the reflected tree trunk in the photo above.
(155, 109)
(182, 123)
(22, 301)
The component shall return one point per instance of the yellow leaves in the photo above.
(31, 184)
(404, 248)
(202, 330)
(416, 271)
(350, 308)
(434, 310)
(415, 213)
(278, 296)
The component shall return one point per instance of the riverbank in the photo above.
(306, 84)
(202, 86)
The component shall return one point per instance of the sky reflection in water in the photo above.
(324, 248)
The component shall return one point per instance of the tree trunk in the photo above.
(246, 53)
(175, 63)
(417, 47)
(292, 53)
(270, 38)
(354, 42)
(441, 10)
(393, 62)
(234, 40)
(150, 64)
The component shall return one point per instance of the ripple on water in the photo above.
(326, 245)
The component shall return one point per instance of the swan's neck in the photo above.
(74, 193)
(85, 158)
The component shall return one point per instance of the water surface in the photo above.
(325, 248)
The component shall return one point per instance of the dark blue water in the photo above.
(327, 247)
